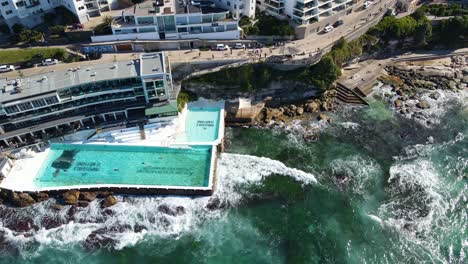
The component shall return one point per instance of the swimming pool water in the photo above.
(73, 164)
(202, 124)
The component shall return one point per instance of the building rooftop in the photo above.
(37, 85)
(167, 7)
(152, 63)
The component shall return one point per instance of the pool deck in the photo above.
(24, 171)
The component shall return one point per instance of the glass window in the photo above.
(169, 24)
(182, 30)
(145, 20)
(38, 103)
(195, 30)
(207, 18)
(219, 17)
(151, 29)
(195, 19)
(207, 29)
(181, 20)
(231, 27)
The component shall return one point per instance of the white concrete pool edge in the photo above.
(22, 179)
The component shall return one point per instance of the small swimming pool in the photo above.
(90, 164)
(201, 124)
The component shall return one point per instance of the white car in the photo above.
(239, 46)
(7, 68)
(367, 4)
(48, 62)
(222, 47)
(328, 29)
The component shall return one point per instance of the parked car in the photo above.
(222, 47)
(390, 12)
(338, 23)
(328, 29)
(239, 46)
(48, 62)
(7, 68)
(367, 4)
(78, 26)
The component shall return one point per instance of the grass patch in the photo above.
(32, 54)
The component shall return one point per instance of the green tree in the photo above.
(423, 34)
(324, 73)
(17, 28)
(30, 36)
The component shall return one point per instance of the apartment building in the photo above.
(238, 8)
(172, 19)
(303, 12)
(39, 106)
(30, 12)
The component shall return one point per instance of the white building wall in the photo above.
(237, 7)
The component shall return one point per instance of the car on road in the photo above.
(7, 68)
(222, 47)
(328, 29)
(239, 46)
(48, 62)
(367, 4)
(338, 23)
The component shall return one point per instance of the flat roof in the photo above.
(152, 63)
(12, 89)
(55, 80)
(160, 109)
(160, 7)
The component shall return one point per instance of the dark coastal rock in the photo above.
(312, 107)
(21, 225)
(324, 117)
(98, 239)
(398, 103)
(423, 104)
(139, 228)
(83, 203)
(71, 197)
(40, 197)
(109, 201)
(103, 194)
(50, 223)
(165, 209)
(299, 111)
(434, 96)
(22, 200)
(57, 207)
(88, 196)
(214, 204)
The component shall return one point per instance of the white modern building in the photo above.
(238, 8)
(303, 12)
(172, 19)
(30, 13)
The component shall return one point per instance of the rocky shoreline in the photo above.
(271, 116)
(72, 197)
(415, 86)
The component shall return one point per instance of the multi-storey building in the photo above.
(172, 19)
(238, 8)
(303, 12)
(45, 105)
(30, 12)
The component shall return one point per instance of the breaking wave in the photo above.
(26, 231)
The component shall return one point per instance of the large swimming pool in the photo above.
(88, 164)
(201, 124)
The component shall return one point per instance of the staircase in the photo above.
(349, 96)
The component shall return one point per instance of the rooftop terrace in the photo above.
(12, 89)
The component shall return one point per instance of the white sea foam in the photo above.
(135, 218)
(437, 108)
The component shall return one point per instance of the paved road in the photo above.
(355, 24)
